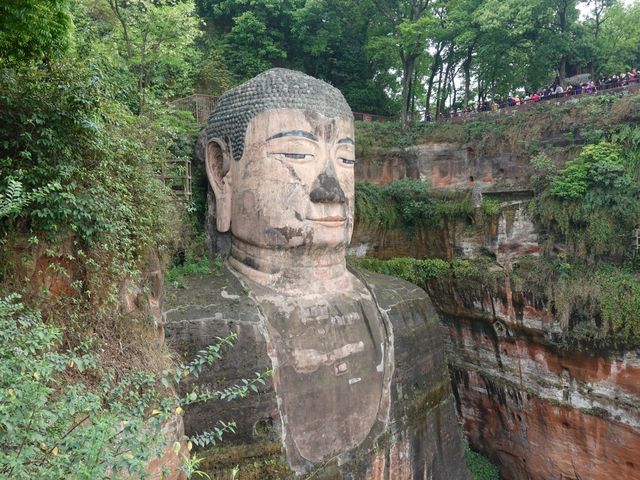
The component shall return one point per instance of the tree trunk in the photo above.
(125, 33)
(407, 75)
(414, 82)
(438, 92)
(562, 70)
(445, 90)
(455, 93)
(432, 75)
(466, 67)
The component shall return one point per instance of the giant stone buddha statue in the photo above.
(360, 387)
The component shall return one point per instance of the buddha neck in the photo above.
(292, 271)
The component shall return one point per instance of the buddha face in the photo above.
(294, 185)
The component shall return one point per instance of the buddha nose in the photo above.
(326, 189)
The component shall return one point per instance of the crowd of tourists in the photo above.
(548, 92)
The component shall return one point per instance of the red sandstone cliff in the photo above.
(543, 412)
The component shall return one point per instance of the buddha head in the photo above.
(280, 160)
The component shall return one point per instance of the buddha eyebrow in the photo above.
(295, 133)
(346, 140)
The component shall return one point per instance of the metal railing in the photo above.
(199, 104)
(370, 117)
(556, 98)
(176, 174)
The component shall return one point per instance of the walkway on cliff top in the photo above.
(201, 105)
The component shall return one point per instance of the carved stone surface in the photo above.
(273, 89)
(357, 359)
(321, 422)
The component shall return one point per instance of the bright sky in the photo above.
(585, 7)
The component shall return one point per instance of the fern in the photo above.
(15, 199)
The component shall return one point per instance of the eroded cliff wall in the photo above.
(542, 408)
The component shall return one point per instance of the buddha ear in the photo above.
(218, 161)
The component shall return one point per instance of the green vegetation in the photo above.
(490, 207)
(590, 118)
(478, 276)
(409, 204)
(404, 58)
(87, 128)
(33, 29)
(84, 136)
(191, 266)
(480, 466)
(373, 206)
(588, 274)
(593, 204)
(64, 414)
(597, 306)
(61, 133)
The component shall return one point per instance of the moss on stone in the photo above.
(261, 461)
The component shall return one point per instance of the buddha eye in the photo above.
(296, 156)
(347, 161)
(292, 156)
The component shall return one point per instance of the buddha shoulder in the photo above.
(217, 297)
(397, 297)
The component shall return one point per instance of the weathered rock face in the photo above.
(378, 407)
(543, 412)
(453, 166)
(533, 438)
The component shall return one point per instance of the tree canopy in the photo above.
(388, 57)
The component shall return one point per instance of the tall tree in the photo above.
(156, 40)
(404, 27)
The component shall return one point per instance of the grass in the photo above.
(191, 266)
(481, 467)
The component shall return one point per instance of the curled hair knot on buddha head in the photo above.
(272, 89)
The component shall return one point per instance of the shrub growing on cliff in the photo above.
(594, 203)
(373, 207)
(543, 172)
(60, 127)
(410, 204)
(471, 276)
(50, 428)
(414, 205)
(64, 416)
(480, 467)
(597, 307)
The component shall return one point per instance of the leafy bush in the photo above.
(414, 205)
(89, 167)
(594, 203)
(373, 207)
(407, 268)
(628, 136)
(191, 266)
(33, 29)
(597, 306)
(490, 207)
(474, 274)
(63, 416)
(408, 204)
(51, 428)
(599, 165)
(543, 172)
